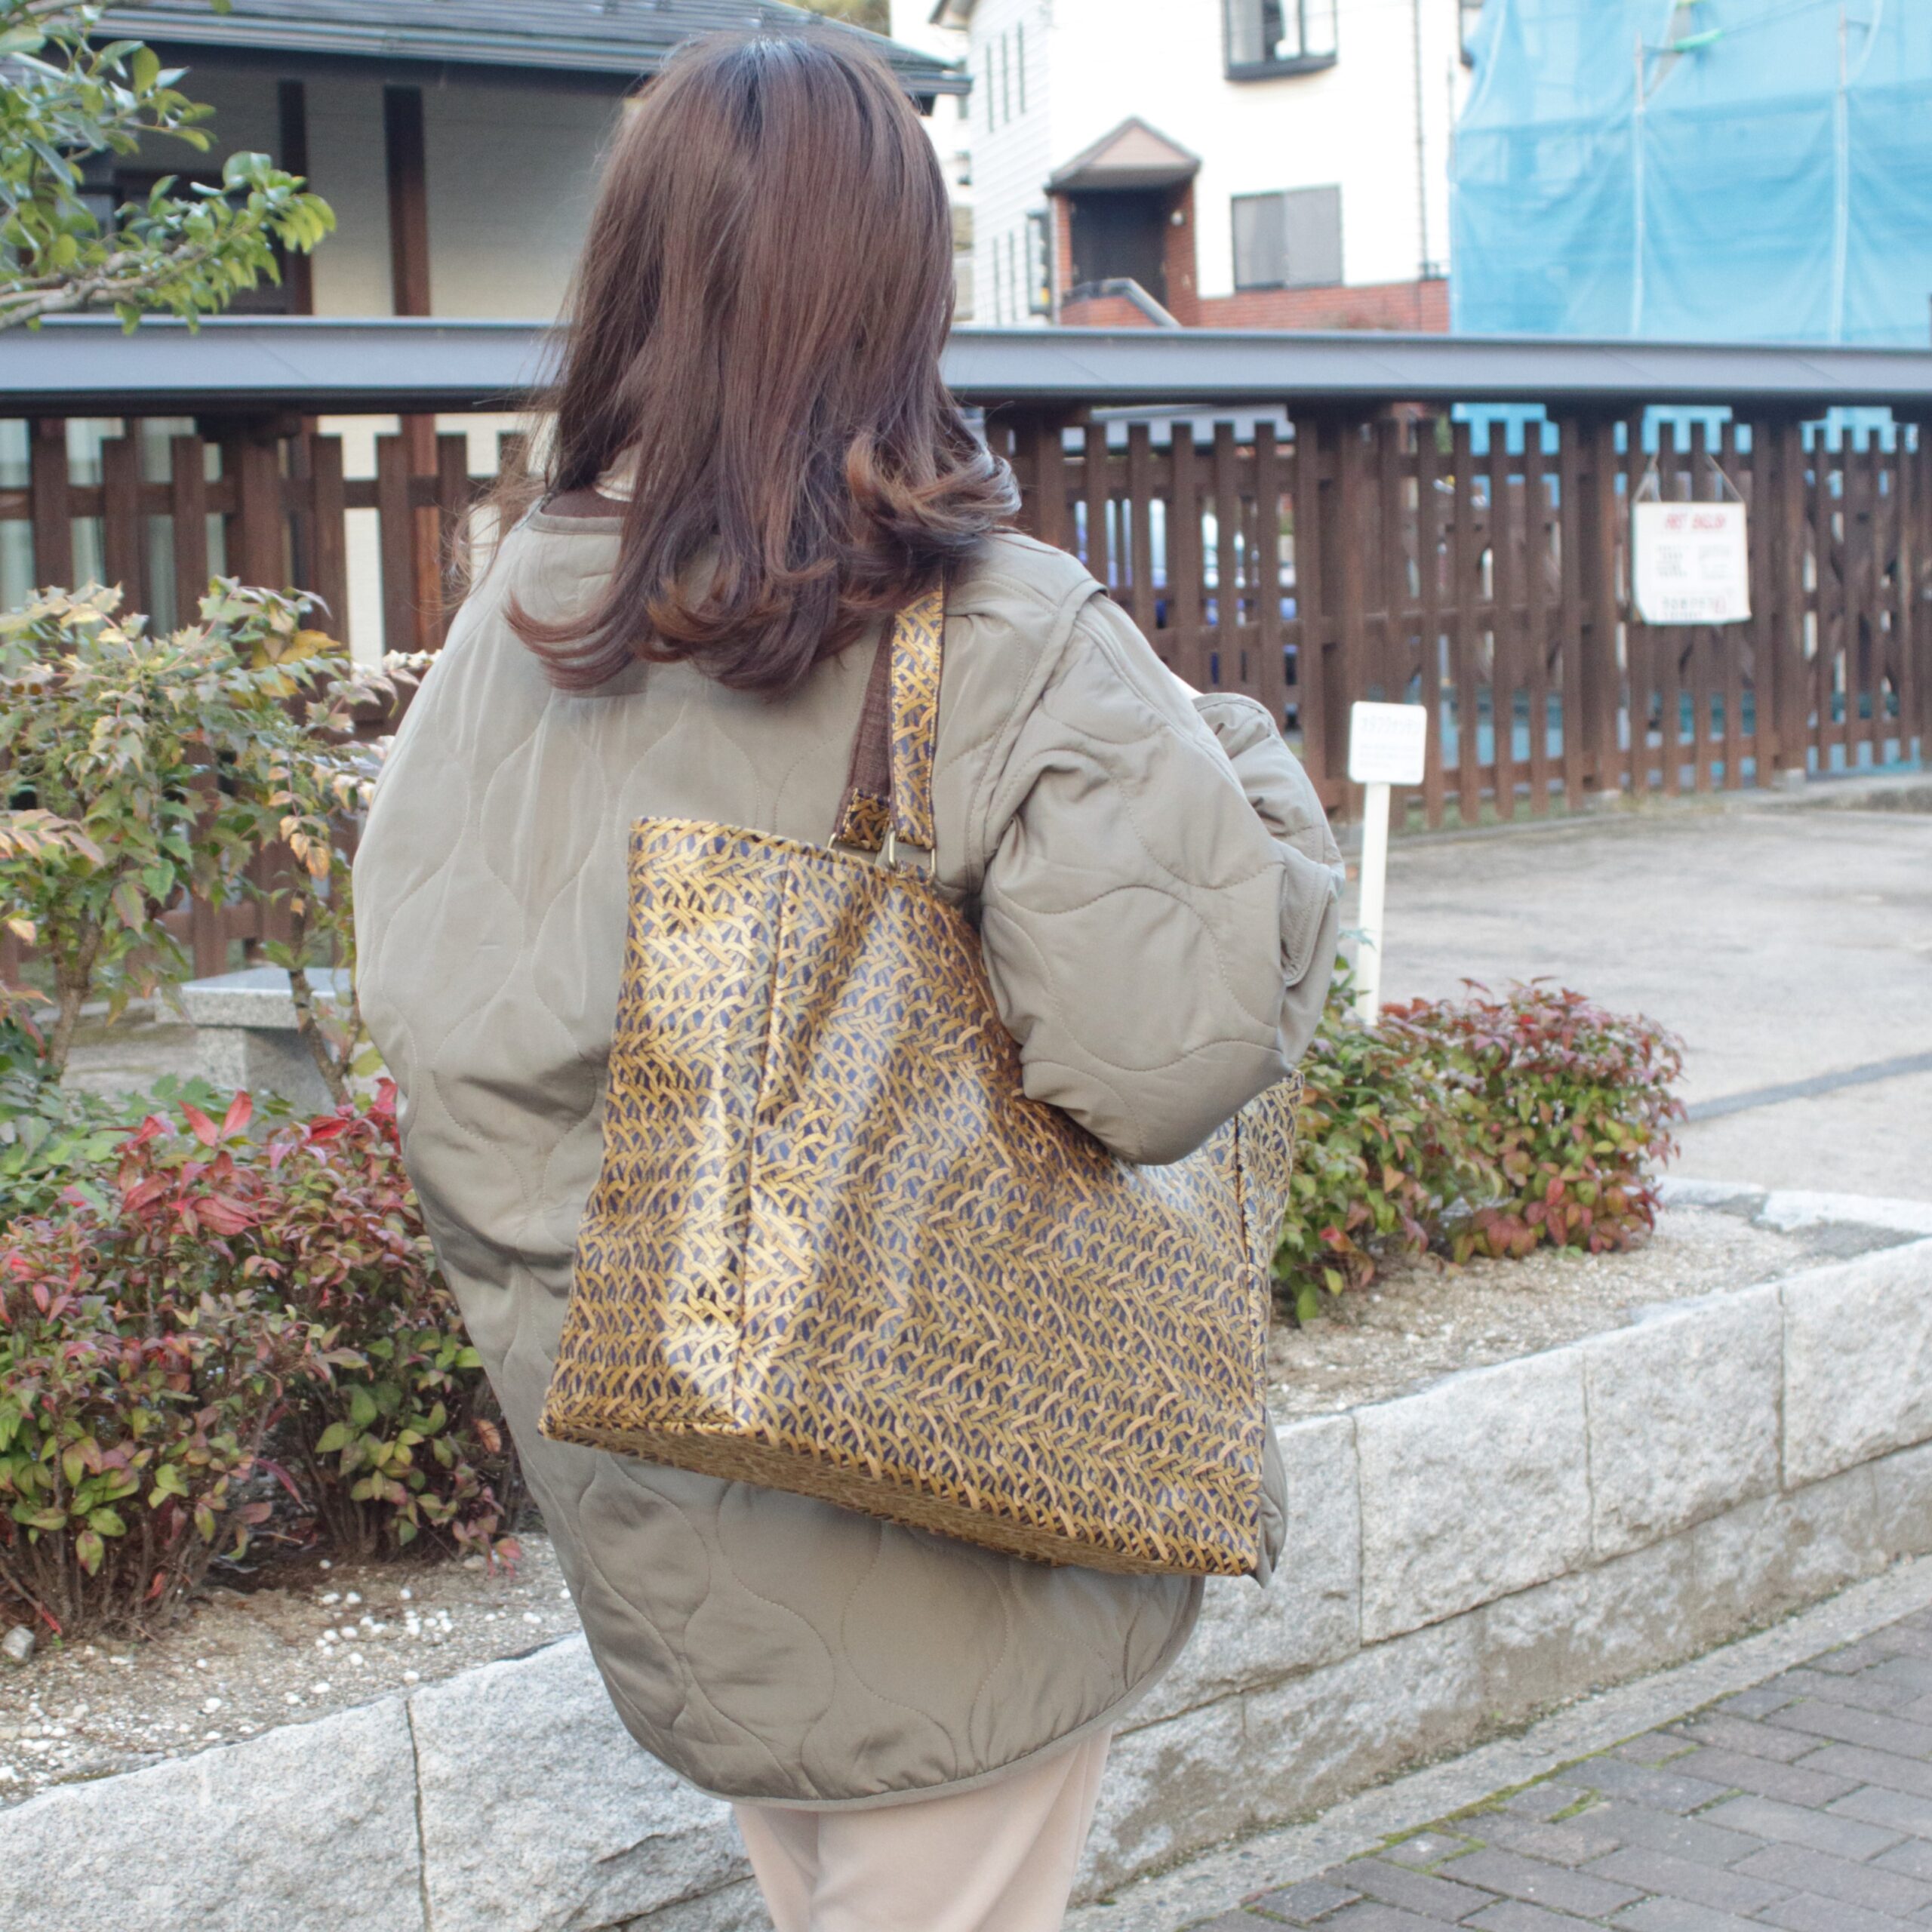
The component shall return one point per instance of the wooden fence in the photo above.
(1310, 558)
(1327, 557)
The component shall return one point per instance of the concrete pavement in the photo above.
(1786, 944)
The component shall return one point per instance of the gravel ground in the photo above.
(1419, 1324)
(321, 1638)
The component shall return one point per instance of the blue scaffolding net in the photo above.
(1697, 170)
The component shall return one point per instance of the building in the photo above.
(1253, 164)
(917, 24)
(458, 142)
(1713, 171)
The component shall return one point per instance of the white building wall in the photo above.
(1014, 143)
(949, 127)
(1092, 63)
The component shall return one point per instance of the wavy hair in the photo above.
(757, 321)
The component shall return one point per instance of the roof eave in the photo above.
(922, 73)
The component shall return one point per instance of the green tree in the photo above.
(875, 15)
(142, 769)
(66, 95)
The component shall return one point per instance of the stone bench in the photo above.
(245, 1034)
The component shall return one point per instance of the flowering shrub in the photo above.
(217, 1318)
(1484, 1125)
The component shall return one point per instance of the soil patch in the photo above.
(316, 1638)
(1421, 1323)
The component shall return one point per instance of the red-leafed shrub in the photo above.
(1568, 1107)
(139, 1377)
(403, 1440)
(1484, 1125)
(224, 1315)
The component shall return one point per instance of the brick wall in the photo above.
(1419, 305)
(1104, 311)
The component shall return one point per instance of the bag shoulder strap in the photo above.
(889, 786)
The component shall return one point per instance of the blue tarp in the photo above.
(1697, 170)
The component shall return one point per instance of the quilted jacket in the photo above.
(1157, 891)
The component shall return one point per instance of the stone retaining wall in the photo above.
(1458, 1559)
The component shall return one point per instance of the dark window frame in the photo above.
(1276, 68)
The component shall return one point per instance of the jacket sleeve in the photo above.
(1160, 901)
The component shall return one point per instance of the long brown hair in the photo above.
(758, 315)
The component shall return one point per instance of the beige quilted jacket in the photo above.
(1157, 887)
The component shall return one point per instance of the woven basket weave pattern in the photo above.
(834, 1249)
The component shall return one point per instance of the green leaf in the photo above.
(144, 70)
(107, 1522)
(362, 1410)
(332, 1439)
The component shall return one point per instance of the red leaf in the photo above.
(205, 1130)
(222, 1214)
(240, 1111)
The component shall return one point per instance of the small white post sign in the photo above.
(1691, 563)
(1388, 745)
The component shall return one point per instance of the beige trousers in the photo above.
(998, 1859)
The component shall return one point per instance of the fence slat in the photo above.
(188, 504)
(1186, 652)
(398, 542)
(1271, 673)
(47, 489)
(123, 553)
(1465, 590)
(1570, 526)
(1536, 662)
(1429, 574)
(1503, 656)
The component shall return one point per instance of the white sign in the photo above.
(1691, 563)
(1388, 743)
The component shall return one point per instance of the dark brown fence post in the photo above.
(188, 506)
(327, 530)
(1039, 461)
(1598, 531)
(258, 533)
(396, 543)
(1322, 737)
(1271, 679)
(123, 527)
(47, 496)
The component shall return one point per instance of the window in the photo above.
(1005, 79)
(1269, 37)
(1292, 240)
(1039, 265)
(1020, 61)
(1472, 14)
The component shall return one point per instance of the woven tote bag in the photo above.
(833, 1249)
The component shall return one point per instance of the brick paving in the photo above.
(1805, 1803)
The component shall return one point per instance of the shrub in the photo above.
(1484, 1125)
(1383, 1157)
(215, 1315)
(139, 1380)
(1569, 1104)
(402, 1441)
(139, 769)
